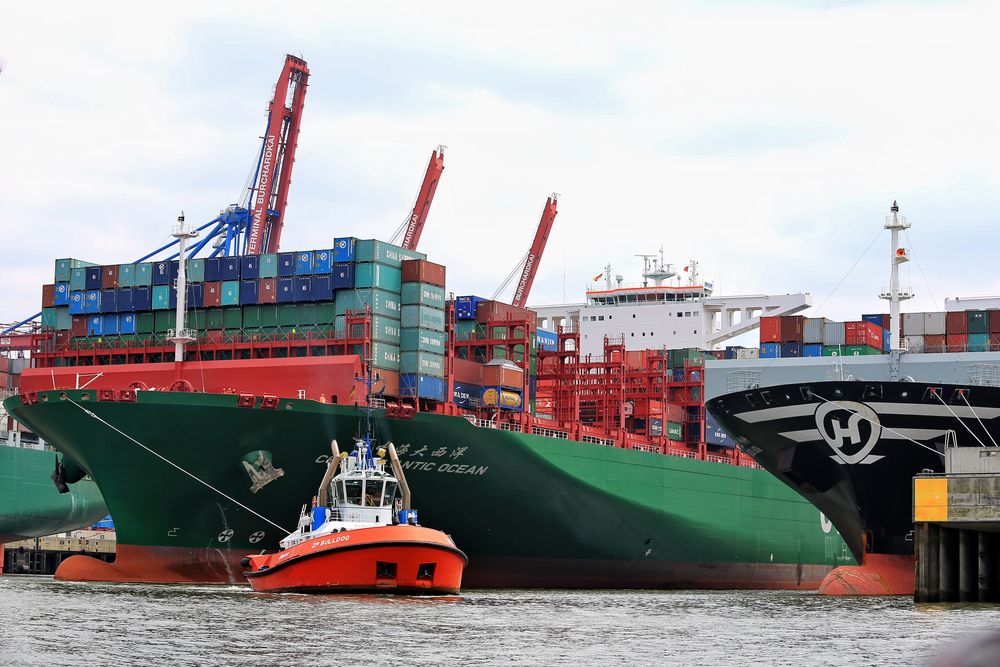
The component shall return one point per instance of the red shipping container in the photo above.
(791, 328)
(994, 342)
(422, 271)
(468, 371)
(957, 342)
(934, 343)
(770, 329)
(214, 336)
(212, 295)
(267, 290)
(79, 325)
(109, 276)
(501, 375)
(956, 323)
(62, 338)
(4, 364)
(497, 311)
(48, 296)
(995, 321)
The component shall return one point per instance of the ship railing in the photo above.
(683, 453)
(715, 458)
(549, 433)
(598, 441)
(376, 403)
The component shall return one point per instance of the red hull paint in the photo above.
(879, 574)
(347, 561)
(163, 565)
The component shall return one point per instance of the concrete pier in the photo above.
(957, 521)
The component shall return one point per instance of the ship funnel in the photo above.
(397, 470)
(331, 470)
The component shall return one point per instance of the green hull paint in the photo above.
(528, 510)
(30, 505)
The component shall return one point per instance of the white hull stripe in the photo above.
(918, 434)
(934, 410)
(783, 412)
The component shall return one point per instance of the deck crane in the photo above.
(529, 263)
(238, 229)
(414, 225)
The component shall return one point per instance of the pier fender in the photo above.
(879, 574)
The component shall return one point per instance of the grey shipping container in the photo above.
(934, 324)
(915, 343)
(813, 329)
(913, 324)
(834, 334)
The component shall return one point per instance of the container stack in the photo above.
(781, 337)
(423, 341)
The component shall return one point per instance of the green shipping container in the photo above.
(307, 313)
(232, 318)
(860, 350)
(978, 321)
(675, 431)
(161, 297)
(126, 275)
(49, 318)
(833, 350)
(370, 250)
(425, 340)
(381, 302)
(288, 314)
(144, 323)
(326, 311)
(77, 280)
(143, 274)
(64, 321)
(384, 355)
(268, 266)
(251, 317)
(384, 329)
(196, 320)
(340, 326)
(164, 320)
(468, 329)
(422, 294)
(268, 315)
(676, 358)
(382, 276)
(422, 317)
(195, 271)
(213, 319)
(421, 363)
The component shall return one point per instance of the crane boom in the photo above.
(422, 206)
(277, 156)
(535, 254)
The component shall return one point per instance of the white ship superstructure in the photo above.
(664, 311)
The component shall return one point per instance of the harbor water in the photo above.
(59, 623)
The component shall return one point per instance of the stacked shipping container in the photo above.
(423, 341)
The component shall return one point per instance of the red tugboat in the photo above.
(356, 538)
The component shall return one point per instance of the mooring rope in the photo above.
(941, 400)
(974, 414)
(168, 461)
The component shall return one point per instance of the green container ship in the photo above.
(197, 481)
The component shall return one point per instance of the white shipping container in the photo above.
(913, 324)
(914, 343)
(934, 324)
(747, 353)
(812, 329)
(834, 333)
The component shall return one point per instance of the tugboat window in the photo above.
(373, 493)
(390, 492)
(353, 491)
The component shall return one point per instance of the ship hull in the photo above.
(530, 511)
(30, 504)
(852, 449)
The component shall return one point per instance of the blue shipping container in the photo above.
(303, 288)
(978, 342)
(790, 350)
(812, 350)
(123, 300)
(547, 340)
(142, 298)
(248, 292)
(229, 267)
(286, 264)
(770, 350)
(93, 277)
(343, 249)
(109, 325)
(322, 288)
(108, 302)
(213, 270)
(343, 276)
(76, 303)
(885, 340)
(423, 386)
(303, 263)
(322, 261)
(874, 319)
(195, 295)
(465, 307)
(164, 273)
(249, 267)
(714, 435)
(286, 290)
(92, 302)
(231, 293)
(126, 324)
(61, 295)
(94, 325)
(466, 395)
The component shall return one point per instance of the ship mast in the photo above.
(181, 336)
(895, 223)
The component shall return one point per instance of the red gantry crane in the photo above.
(414, 225)
(534, 255)
(277, 157)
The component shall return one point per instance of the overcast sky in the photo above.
(766, 143)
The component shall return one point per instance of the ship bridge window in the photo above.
(600, 318)
(390, 493)
(352, 491)
(373, 493)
